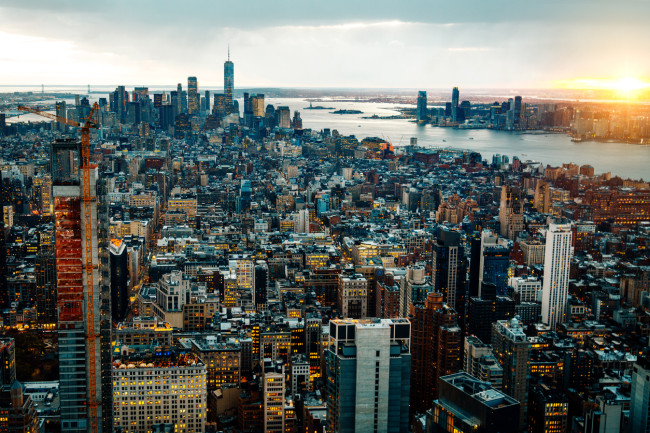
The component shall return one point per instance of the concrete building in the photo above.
(548, 410)
(273, 381)
(368, 363)
(480, 362)
(512, 349)
(436, 349)
(511, 212)
(353, 296)
(221, 358)
(166, 388)
(526, 289)
(555, 289)
(639, 420)
(468, 405)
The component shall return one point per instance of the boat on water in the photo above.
(347, 112)
(576, 139)
(471, 138)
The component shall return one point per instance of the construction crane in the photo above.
(91, 336)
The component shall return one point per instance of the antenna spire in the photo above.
(229, 52)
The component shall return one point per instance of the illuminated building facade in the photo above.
(222, 360)
(548, 410)
(165, 388)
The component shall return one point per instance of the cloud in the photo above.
(352, 25)
(468, 49)
(428, 44)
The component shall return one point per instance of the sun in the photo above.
(630, 84)
(627, 87)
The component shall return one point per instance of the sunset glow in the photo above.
(625, 87)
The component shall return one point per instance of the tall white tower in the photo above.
(555, 289)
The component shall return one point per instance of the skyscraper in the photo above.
(228, 82)
(82, 380)
(640, 396)
(119, 280)
(284, 117)
(219, 106)
(455, 96)
(494, 264)
(368, 370)
(555, 289)
(206, 101)
(61, 112)
(422, 112)
(4, 292)
(435, 348)
(192, 96)
(450, 269)
(518, 113)
(45, 270)
(511, 347)
(181, 99)
(274, 405)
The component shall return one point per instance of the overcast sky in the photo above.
(331, 43)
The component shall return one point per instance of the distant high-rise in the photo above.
(284, 117)
(455, 96)
(179, 99)
(257, 101)
(422, 112)
(61, 112)
(518, 113)
(555, 289)
(368, 370)
(206, 101)
(192, 95)
(228, 82)
(118, 102)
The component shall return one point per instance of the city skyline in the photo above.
(421, 45)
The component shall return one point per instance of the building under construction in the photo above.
(83, 300)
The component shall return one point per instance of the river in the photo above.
(622, 159)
